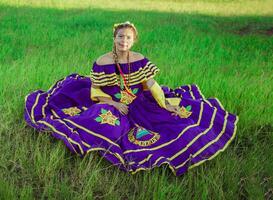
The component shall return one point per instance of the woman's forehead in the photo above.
(125, 31)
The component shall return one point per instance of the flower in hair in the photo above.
(127, 22)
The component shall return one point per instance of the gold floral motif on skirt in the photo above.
(72, 111)
(107, 117)
(184, 112)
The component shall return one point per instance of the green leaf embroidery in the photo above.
(188, 108)
(98, 119)
(135, 90)
(103, 111)
(117, 122)
(118, 95)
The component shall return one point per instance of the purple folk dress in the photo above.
(148, 136)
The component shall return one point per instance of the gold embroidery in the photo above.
(106, 117)
(133, 138)
(126, 98)
(184, 112)
(72, 111)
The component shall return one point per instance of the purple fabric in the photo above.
(147, 137)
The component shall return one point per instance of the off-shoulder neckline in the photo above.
(121, 63)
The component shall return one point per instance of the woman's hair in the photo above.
(126, 24)
(116, 28)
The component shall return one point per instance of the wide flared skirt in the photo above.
(147, 137)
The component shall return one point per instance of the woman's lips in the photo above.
(122, 45)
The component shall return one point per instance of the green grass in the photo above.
(196, 42)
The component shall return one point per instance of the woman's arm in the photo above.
(156, 91)
(98, 95)
(106, 100)
(159, 96)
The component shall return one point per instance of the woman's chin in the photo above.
(123, 49)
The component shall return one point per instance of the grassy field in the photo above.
(223, 46)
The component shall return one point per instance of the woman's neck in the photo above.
(122, 55)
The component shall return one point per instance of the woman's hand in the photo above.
(173, 109)
(123, 109)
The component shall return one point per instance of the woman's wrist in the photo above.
(113, 103)
(107, 100)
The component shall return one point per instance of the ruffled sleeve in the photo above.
(149, 69)
(144, 72)
(103, 76)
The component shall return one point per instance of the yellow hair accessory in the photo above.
(124, 23)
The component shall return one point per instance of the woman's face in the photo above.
(124, 39)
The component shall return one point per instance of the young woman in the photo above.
(123, 113)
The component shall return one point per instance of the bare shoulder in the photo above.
(104, 59)
(137, 56)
